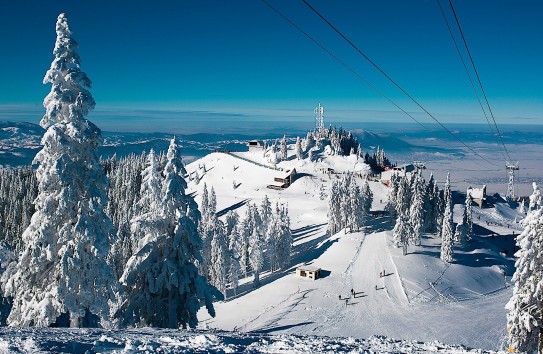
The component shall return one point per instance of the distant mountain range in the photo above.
(20, 141)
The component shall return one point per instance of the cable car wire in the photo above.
(468, 74)
(343, 63)
(478, 78)
(394, 82)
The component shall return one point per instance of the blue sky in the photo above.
(240, 57)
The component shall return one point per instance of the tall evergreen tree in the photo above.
(256, 256)
(62, 277)
(284, 148)
(416, 210)
(299, 150)
(525, 317)
(447, 236)
(162, 285)
(401, 232)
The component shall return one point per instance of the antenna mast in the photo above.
(319, 118)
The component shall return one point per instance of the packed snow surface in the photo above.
(148, 340)
(419, 298)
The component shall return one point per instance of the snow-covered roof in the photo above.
(309, 268)
(284, 175)
(477, 193)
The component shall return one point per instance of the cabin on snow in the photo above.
(284, 180)
(310, 272)
(478, 195)
(401, 170)
(255, 145)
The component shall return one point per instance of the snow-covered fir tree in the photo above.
(230, 222)
(299, 150)
(447, 236)
(416, 209)
(402, 232)
(346, 205)
(282, 239)
(355, 211)
(535, 198)
(220, 258)
(464, 232)
(18, 189)
(265, 214)
(62, 277)
(392, 195)
(256, 255)
(367, 196)
(7, 263)
(309, 142)
(430, 205)
(284, 148)
(403, 196)
(161, 283)
(525, 317)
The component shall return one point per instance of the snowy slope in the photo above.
(420, 298)
(149, 340)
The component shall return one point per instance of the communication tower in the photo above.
(511, 168)
(319, 118)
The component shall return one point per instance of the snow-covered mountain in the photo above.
(420, 301)
(420, 298)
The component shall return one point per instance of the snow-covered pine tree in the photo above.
(62, 277)
(234, 273)
(401, 232)
(283, 244)
(230, 222)
(284, 148)
(467, 218)
(256, 256)
(299, 150)
(522, 207)
(403, 198)
(220, 258)
(367, 196)
(447, 236)
(7, 263)
(247, 227)
(430, 205)
(334, 208)
(236, 249)
(162, 285)
(151, 185)
(416, 210)
(535, 198)
(525, 317)
(356, 217)
(392, 195)
(309, 142)
(265, 214)
(206, 228)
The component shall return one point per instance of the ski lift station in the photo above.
(310, 272)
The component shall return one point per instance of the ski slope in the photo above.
(420, 298)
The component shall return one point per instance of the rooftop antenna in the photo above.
(319, 118)
(511, 168)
